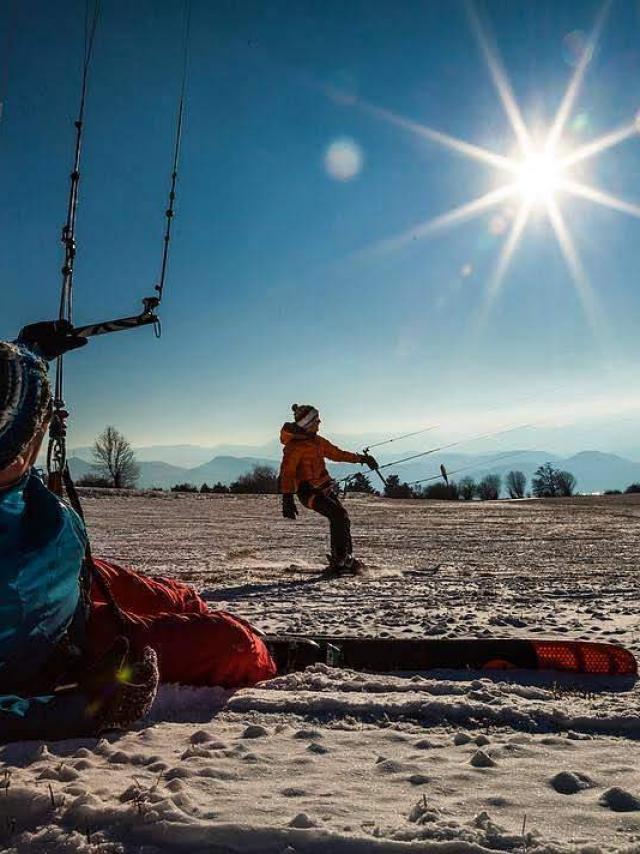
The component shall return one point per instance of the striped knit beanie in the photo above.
(304, 414)
(25, 398)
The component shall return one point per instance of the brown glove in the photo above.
(120, 688)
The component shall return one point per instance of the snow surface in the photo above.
(331, 760)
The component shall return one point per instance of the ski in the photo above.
(382, 655)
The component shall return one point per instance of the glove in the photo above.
(368, 460)
(120, 688)
(289, 509)
(51, 338)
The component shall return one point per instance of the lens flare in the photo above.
(343, 159)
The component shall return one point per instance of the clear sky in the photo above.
(303, 160)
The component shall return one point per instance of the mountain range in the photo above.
(595, 471)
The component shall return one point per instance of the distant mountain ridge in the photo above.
(595, 471)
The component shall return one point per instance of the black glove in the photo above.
(51, 338)
(368, 460)
(289, 509)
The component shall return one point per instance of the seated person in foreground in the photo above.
(83, 642)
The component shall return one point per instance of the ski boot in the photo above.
(348, 565)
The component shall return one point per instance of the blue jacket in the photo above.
(42, 545)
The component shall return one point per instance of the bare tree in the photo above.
(489, 487)
(566, 483)
(550, 482)
(468, 488)
(543, 482)
(113, 458)
(516, 483)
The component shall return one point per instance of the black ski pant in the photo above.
(340, 525)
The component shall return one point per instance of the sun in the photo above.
(539, 177)
(537, 173)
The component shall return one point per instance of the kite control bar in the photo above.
(146, 317)
(376, 469)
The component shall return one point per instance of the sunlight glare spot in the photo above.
(539, 178)
(577, 47)
(497, 225)
(343, 159)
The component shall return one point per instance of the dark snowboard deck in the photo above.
(382, 655)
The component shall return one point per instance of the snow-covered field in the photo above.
(337, 761)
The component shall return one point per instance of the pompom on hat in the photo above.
(304, 414)
(25, 399)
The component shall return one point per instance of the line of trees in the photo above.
(632, 489)
(487, 489)
(114, 466)
(547, 482)
(261, 480)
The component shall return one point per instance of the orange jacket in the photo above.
(303, 458)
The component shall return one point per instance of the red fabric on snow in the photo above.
(146, 594)
(195, 646)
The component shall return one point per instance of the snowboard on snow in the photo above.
(382, 655)
(331, 571)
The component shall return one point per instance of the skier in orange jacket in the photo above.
(304, 472)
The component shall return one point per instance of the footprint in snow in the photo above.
(619, 800)
(196, 750)
(390, 766)
(307, 734)
(571, 782)
(63, 774)
(157, 767)
(424, 744)
(303, 821)
(201, 736)
(255, 731)
(480, 759)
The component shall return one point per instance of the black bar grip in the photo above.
(119, 325)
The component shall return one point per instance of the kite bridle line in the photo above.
(57, 453)
(348, 478)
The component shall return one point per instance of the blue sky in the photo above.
(278, 290)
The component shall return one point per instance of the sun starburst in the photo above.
(537, 173)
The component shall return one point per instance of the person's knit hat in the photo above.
(304, 414)
(25, 397)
